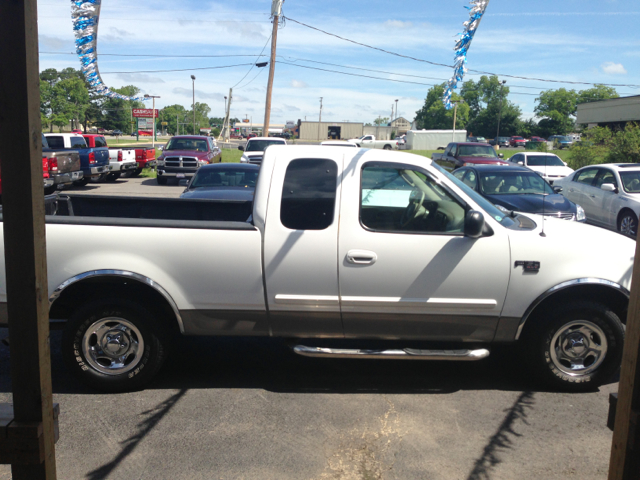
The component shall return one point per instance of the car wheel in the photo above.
(578, 347)
(136, 172)
(82, 182)
(113, 345)
(387, 147)
(112, 177)
(628, 224)
(162, 180)
(50, 190)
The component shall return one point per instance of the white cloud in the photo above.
(200, 95)
(398, 24)
(298, 84)
(139, 77)
(291, 108)
(612, 68)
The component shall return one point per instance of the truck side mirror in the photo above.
(241, 148)
(473, 224)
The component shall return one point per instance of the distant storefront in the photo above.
(615, 112)
(330, 130)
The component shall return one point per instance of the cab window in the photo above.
(586, 176)
(396, 199)
(605, 176)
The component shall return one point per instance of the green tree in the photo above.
(381, 121)
(73, 93)
(433, 115)
(597, 93)
(173, 114)
(117, 112)
(556, 108)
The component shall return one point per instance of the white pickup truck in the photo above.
(121, 160)
(341, 245)
(369, 141)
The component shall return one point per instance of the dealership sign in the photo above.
(144, 112)
(145, 123)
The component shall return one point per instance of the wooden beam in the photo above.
(24, 229)
(625, 448)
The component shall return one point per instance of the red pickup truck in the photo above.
(146, 158)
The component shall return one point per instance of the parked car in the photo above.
(236, 136)
(63, 165)
(499, 141)
(548, 165)
(77, 131)
(517, 141)
(255, 147)
(183, 155)
(561, 141)
(250, 135)
(145, 158)
(116, 133)
(477, 140)
(223, 181)
(343, 243)
(94, 161)
(458, 155)
(369, 141)
(609, 194)
(515, 188)
(121, 160)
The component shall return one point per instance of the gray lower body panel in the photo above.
(225, 322)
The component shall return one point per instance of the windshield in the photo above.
(566, 139)
(513, 183)
(192, 144)
(227, 177)
(631, 181)
(261, 145)
(476, 151)
(544, 160)
(485, 204)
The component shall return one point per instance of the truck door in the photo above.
(406, 270)
(301, 247)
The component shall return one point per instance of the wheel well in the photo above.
(623, 211)
(612, 298)
(95, 288)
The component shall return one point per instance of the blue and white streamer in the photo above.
(476, 11)
(84, 15)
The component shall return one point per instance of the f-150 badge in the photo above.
(528, 266)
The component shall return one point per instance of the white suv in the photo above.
(548, 165)
(609, 194)
(255, 147)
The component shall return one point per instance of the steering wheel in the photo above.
(415, 209)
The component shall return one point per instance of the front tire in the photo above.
(136, 172)
(113, 345)
(112, 177)
(162, 180)
(82, 182)
(578, 347)
(628, 224)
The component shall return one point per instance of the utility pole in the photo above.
(320, 120)
(500, 112)
(396, 109)
(276, 11)
(455, 111)
(193, 82)
(224, 134)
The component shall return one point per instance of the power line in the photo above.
(254, 63)
(450, 66)
(150, 55)
(183, 69)
(250, 81)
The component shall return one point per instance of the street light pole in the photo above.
(396, 108)
(320, 120)
(193, 83)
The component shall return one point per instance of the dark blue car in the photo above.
(223, 181)
(519, 189)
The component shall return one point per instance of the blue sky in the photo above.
(566, 40)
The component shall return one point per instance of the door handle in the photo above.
(361, 257)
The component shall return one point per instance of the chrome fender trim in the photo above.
(119, 273)
(562, 286)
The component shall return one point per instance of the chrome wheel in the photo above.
(578, 348)
(628, 226)
(113, 345)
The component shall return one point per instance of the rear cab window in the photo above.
(78, 142)
(100, 142)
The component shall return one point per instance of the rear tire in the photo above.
(577, 347)
(387, 147)
(112, 177)
(82, 182)
(136, 172)
(113, 345)
(162, 180)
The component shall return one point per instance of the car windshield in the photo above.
(517, 138)
(631, 181)
(78, 142)
(485, 204)
(544, 160)
(477, 151)
(503, 139)
(566, 139)
(225, 177)
(513, 183)
(261, 145)
(187, 144)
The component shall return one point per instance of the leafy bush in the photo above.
(601, 145)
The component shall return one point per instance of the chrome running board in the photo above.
(394, 354)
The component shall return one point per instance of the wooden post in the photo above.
(625, 448)
(24, 230)
(272, 67)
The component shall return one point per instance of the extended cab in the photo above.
(369, 141)
(458, 155)
(121, 160)
(184, 154)
(342, 244)
(94, 161)
(63, 167)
